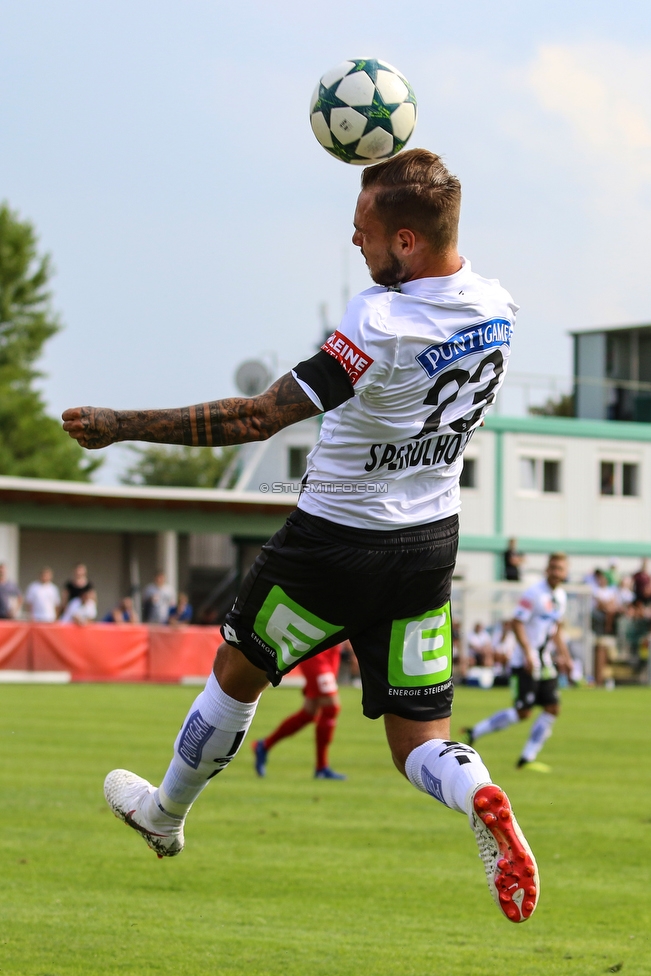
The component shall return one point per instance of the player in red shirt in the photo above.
(320, 705)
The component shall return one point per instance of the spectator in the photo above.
(590, 579)
(78, 585)
(158, 597)
(10, 596)
(624, 594)
(598, 583)
(642, 583)
(81, 609)
(513, 560)
(459, 661)
(635, 632)
(615, 618)
(605, 604)
(480, 646)
(504, 643)
(123, 613)
(42, 598)
(182, 612)
(612, 573)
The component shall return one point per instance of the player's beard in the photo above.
(391, 273)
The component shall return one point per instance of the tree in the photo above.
(563, 407)
(187, 467)
(31, 443)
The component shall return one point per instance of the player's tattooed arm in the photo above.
(236, 420)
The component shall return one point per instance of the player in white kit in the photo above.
(540, 649)
(369, 552)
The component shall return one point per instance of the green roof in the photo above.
(614, 430)
(611, 328)
(573, 547)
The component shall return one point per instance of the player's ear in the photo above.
(406, 241)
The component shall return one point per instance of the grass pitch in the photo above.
(299, 877)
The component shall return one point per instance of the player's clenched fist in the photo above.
(93, 427)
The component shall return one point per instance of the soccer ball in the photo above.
(363, 111)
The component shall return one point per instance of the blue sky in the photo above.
(164, 153)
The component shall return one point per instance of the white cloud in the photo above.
(602, 92)
(554, 152)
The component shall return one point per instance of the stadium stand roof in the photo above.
(43, 503)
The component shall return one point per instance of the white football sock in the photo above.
(495, 723)
(211, 735)
(540, 731)
(448, 771)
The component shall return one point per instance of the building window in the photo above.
(551, 476)
(619, 478)
(540, 474)
(607, 478)
(468, 477)
(297, 461)
(629, 479)
(528, 474)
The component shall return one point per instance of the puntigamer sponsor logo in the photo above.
(433, 451)
(354, 361)
(436, 357)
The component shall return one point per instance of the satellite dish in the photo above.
(252, 377)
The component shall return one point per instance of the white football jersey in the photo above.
(424, 360)
(541, 610)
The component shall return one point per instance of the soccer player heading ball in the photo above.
(369, 552)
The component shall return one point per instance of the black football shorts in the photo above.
(527, 691)
(316, 584)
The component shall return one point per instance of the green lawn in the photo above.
(302, 878)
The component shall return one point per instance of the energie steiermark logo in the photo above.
(420, 651)
(289, 628)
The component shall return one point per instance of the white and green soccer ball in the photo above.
(363, 111)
